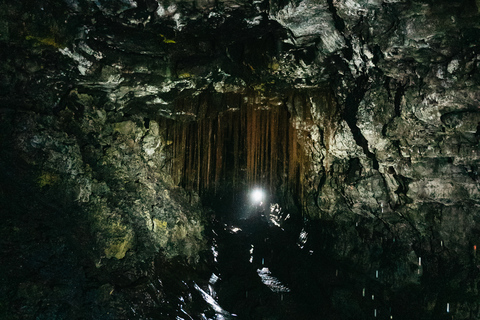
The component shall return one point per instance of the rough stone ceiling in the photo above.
(158, 49)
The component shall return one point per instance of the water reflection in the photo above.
(272, 264)
(270, 281)
(220, 313)
(276, 267)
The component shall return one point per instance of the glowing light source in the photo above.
(257, 196)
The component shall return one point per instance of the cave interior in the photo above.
(231, 159)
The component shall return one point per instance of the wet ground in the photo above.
(265, 262)
(270, 264)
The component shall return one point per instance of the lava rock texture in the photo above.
(384, 95)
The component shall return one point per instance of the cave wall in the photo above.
(382, 96)
(86, 210)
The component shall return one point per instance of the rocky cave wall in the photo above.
(382, 96)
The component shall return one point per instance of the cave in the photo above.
(304, 159)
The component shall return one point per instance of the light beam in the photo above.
(257, 195)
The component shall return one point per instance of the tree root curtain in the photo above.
(244, 141)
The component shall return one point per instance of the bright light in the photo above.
(257, 195)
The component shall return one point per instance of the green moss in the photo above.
(165, 40)
(47, 41)
(159, 225)
(125, 127)
(119, 242)
(114, 237)
(274, 65)
(47, 179)
(118, 248)
(184, 75)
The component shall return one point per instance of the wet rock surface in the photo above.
(102, 220)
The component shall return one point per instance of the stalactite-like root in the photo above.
(245, 142)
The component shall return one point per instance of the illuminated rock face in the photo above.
(250, 140)
(115, 116)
